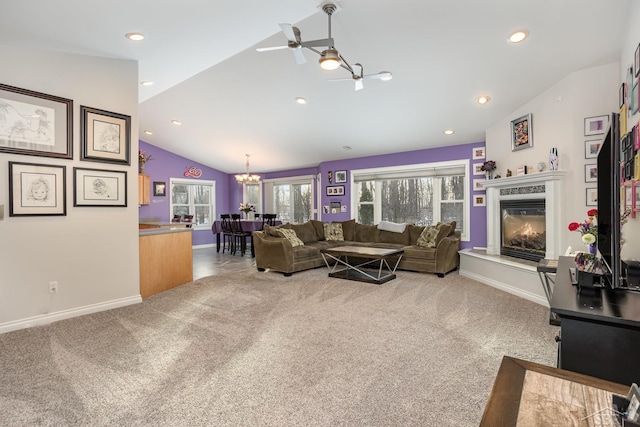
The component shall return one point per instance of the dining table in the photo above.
(247, 225)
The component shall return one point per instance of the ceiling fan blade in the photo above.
(385, 75)
(318, 43)
(289, 33)
(297, 53)
(357, 69)
(267, 49)
(341, 80)
(359, 84)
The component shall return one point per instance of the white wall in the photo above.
(558, 121)
(92, 252)
(631, 230)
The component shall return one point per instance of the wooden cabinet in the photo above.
(166, 260)
(144, 189)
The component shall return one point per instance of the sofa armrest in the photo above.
(447, 257)
(273, 252)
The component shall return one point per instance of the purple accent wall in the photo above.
(229, 192)
(165, 165)
(478, 218)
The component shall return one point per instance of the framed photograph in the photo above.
(622, 94)
(341, 176)
(629, 193)
(636, 198)
(592, 148)
(478, 153)
(634, 98)
(592, 197)
(595, 125)
(104, 136)
(97, 187)
(36, 189)
(591, 173)
(636, 61)
(522, 133)
(477, 169)
(479, 200)
(477, 185)
(35, 123)
(335, 190)
(633, 410)
(159, 189)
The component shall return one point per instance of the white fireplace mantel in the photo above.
(542, 185)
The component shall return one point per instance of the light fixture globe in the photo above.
(329, 59)
(247, 178)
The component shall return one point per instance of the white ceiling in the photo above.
(233, 100)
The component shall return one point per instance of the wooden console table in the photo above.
(528, 394)
(599, 330)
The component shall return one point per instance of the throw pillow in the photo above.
(291, 236)
(333, 231)
(428, 236)
(443, 231)
(271, 230)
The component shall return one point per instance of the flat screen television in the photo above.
(609, 202)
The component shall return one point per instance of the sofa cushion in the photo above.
(291, 236)
(419, 252)
(366, 233)
(428, 236)
(305, 232)
(393, 237)
(333, 231)
(348, 229)
(414, 233)
(452, 224)
(319, 227)
(271, 230)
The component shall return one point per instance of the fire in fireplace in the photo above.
(523, 229)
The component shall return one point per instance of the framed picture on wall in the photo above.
(522, 133)
(35, 123)
(478, 153)
(477, 169)
(591, 148)
(97, 187)
(341, 176)
(37, 190)
(477, 185)
(595, 125)
(591, 173)
(104, 136)
(335, 190)
(159, 189)
(592, 197)
(479, 200)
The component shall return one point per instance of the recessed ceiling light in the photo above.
(518, 36)
(483, 99)
(301, 100)
(148, 132)
(146, 83)
(136, 37)
(346, 147)
(176, 122)
(449, 132)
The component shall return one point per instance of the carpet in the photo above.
(258, 349)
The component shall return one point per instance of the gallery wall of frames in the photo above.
(41, 125)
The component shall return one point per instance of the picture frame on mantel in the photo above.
(35, 124)
(104, 136)
(522, 133)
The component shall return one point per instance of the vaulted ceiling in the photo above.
(232, 100)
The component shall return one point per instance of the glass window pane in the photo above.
(181, 210)
(203, 215)
(180, 194)
(452, 211)
(252, 192)
(282, 201)
(408, 200)
(201, 194)
(452, 188)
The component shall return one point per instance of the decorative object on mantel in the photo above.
(541, 166)
(246, 207)
(521, 133)
(489, 166)
(553, 159)
(589, 230)
(509, 173)
(522, 170)
(143, 158)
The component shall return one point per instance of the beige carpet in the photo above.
(259, 349)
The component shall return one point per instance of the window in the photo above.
(251, 194)
(197, 198)
(291, 199)
(419, 194)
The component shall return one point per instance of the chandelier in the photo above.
(247, 178)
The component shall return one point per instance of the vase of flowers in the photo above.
(247, 208)
(143, 158)
(489, 166)
(589, 229)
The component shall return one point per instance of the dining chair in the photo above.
(239, 235)
(268, 219)
(188, 220)
(227, 233)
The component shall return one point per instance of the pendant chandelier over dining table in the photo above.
(247, 178)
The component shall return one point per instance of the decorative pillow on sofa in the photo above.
(432, 235)
(319, 227)
(305, 232)
(452, 224)
(291, 236)
(333, 231)
(272, 230)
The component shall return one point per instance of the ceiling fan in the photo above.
(357, 76)
(330, 58)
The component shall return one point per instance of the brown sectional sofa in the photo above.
(277, 253)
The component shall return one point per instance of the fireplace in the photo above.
(523, 229)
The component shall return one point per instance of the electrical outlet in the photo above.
(53, 287)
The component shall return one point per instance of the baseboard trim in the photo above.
(48, 318)
(505, 287)
(208, 245)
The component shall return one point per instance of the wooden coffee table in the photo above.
(363, 264)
